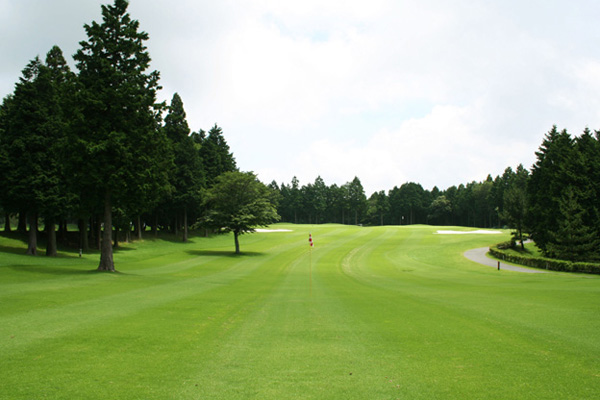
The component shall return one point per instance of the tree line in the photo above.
(556, 202)
(93, 146)
(97, 147)
(474, 204)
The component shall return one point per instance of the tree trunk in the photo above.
(116, 239)
(155, 226)
(98, 234)
(22, 224)
(32, 236)
(7, 223)
(237, 242)
(91, 229)
(51, 239)
(62, 230)
(106, 251)
(185, 225)
(521, 238)
(139, 227)
(83, 235)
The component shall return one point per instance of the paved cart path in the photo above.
(479, 256)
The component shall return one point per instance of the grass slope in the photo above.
(377, 313)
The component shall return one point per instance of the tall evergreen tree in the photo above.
(440, 211)
(23, 138)
(124, 147)
(35, 139)
(357, 199)
(187, 176)
(585, 177)
(573, 240)
(378, 207)
(549, 176)
(5, 162)
(215, 155)
(516, 204)
(411, 199)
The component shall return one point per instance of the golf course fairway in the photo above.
(367, 313)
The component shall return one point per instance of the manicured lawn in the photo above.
(369, 313)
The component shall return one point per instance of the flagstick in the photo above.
(310, 271)
(310, 244)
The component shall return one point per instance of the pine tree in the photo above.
(549, 176)
(187, 175)
(34, 139)
(516, 203)
(573, 240)
(357, 199)
(585, 177)
(124, 146)
(216, 155)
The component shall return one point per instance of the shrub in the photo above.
(498, 251)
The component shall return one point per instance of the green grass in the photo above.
(370, 313)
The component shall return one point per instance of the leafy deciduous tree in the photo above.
(239, 203)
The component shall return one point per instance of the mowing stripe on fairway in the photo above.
(378, 313)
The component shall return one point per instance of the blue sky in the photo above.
(434, 92)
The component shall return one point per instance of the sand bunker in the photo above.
(477, 232)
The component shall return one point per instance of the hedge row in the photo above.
(542, 262)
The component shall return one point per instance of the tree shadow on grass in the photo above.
(52, 270)
(21, 251)
(223, 253)
(13, 250)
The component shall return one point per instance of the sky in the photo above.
(437, 92)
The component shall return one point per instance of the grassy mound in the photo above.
(369, 313)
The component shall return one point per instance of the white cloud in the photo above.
(435, 92)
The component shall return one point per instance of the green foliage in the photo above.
(500, 252)
(357, 200)
(378, 207)
(549, 176)
(34, 142)
(215, 155)
(573, 240)
(440, 211)
(515, 203)
(187, 175)
(563, 191)
(124, 147)
(239, 203)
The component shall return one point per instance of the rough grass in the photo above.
(369, 313)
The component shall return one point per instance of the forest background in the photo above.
(96, 148)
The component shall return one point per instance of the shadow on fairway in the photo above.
(50, 270)
(223, 253)
(12, 250)
(20, 251)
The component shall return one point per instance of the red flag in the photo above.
(310, 242)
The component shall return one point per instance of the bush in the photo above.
(542, 262)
